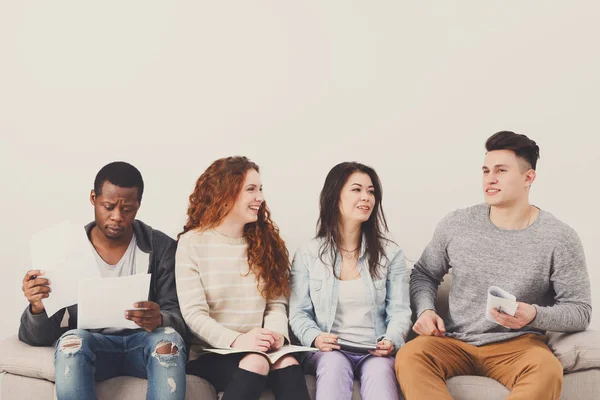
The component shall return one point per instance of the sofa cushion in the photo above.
(21, 387)
(581, 385)
(19, 358)
(576, 351)
(476, 387)
(131, 388)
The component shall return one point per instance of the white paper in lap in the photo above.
(501, 300)
(103, 301)
(65, 253)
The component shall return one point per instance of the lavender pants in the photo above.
(336, 371)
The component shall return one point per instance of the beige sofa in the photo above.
(27, 372)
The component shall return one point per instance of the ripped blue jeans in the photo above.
(81, 358)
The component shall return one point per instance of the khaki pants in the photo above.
(525, 365)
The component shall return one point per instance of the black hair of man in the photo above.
(120, 174)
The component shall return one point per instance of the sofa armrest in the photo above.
(18, 358)
(576, 351)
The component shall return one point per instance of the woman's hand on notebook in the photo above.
(384, 349)
(279, 341)
(259, 339)
(326, 342)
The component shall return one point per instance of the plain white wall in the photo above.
(411, 89)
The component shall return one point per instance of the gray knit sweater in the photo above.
(543, 264)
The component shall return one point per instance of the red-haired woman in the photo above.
(232, 274)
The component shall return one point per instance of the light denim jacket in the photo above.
(315, 292)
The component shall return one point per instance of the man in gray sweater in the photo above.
(509, 243)
(122, 246)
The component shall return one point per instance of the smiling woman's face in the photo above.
(249, 200)
(357, 198)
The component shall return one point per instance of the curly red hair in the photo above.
(213, 198)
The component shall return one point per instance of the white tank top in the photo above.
(353, 319)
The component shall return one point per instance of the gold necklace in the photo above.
(529, 218)
(350, 253)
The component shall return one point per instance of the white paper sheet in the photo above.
(501, 300)
(66, 255)
(103, 301)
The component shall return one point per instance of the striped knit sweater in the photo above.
(218, 296)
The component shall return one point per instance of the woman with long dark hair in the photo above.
(350, 293)
(232, 275)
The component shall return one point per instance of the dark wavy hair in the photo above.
(328, 225)
(213, 198)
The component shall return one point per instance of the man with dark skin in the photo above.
(123, 246)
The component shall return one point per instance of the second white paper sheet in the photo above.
(66, 255)
(102, 302)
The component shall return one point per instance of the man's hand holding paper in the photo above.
(503, 309)
(524, 314)
(146, 315)
(36, 288)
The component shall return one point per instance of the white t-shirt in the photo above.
(125, 266)
(353, 319)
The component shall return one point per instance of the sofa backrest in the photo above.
(441, 302)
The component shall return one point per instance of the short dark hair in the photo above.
(121, 174)
(523, 147)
